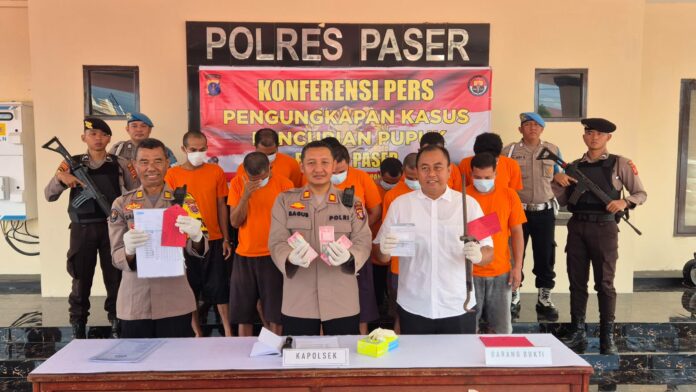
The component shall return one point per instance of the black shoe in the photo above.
(79, 330)
(115, 329)
(607, 346)
(545, 307)
(576, 339)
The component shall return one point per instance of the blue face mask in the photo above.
(484, 185)
(339, 177)
(414, 185)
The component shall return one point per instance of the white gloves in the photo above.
(388, 243)
(337, 253)
(300, 256)
(133, 239)
(472, 251)
(189, 226)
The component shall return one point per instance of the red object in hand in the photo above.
(484, 226)
(505, 341)
(171, 236)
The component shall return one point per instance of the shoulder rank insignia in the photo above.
(167, 195)
(633, 167)
(134, 206)
(297, 205)
(139, 194)
(332, 198)
(359, 211)
(114, 216)
(306, 195)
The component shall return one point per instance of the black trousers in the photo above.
(86, 241)
(413, 324)
(169, 327)
(596, 243)
(541, 227)
(296, 326)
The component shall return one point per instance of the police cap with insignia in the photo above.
(137, 116)
(97, 123)
(531, 116)
(598, 124)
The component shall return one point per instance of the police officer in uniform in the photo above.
(593, 230)
(152, 307)
(319, 294)
(139, 126)
(538, 204)
(88, 228)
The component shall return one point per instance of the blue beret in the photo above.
(598, 124)
(97, 123)
(136, 116)
(531, 116)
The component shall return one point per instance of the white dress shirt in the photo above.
(433, 283)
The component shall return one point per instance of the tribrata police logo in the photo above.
(213, 84)
(478, 85)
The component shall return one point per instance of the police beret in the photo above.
(97, 123)
(136, 116)
(598, 124)
(531, 116)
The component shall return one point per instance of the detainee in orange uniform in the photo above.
(266, 141)
(495, 282)
(207, 184)
(508, 172)
(390, 173)
(254, 276)
(455, 178)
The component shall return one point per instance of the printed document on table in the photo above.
(155, 260)
(128, 351)
(406, 232)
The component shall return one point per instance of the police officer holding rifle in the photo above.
(592, 188)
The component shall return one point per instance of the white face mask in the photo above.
(264, 182)
(386, 185)
(414, 185)
(484, 185)
(272, 157)
(196, 158)
(339, 177)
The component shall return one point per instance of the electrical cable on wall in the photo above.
(16, 233)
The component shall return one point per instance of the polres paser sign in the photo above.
(337, 45)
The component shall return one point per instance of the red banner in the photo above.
(376, 113)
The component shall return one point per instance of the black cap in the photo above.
(97, 123)
(598, 124)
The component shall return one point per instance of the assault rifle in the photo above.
(79, 170)
(583, 185)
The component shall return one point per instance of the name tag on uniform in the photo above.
(309, 357)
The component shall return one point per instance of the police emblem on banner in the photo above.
(212, 82)
(478, 85)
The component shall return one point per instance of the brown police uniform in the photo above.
(147, 298)
(320, 292)
(593, 232)
(89, 232)
(536, 196)
(126, 149)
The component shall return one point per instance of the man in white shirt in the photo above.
(432, 284)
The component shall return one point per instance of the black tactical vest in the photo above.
(600, 173)
(106, 179)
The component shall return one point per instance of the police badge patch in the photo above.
(359, 211)
(114, 216)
